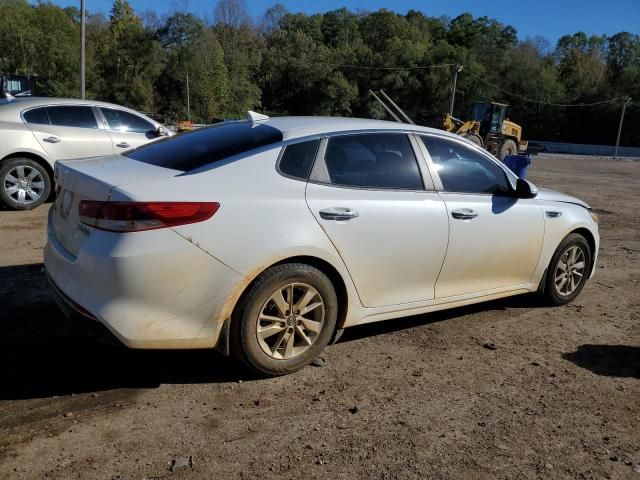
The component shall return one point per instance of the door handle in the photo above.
(338, 213)
(122, 145)
(51, 139)
(464, 214)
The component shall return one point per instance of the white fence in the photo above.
(583, 149)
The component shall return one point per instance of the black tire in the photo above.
(244, 342)
(551, 290)
(474, 138)
(509, 147)
(11, 199)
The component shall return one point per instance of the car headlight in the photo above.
(594, 216)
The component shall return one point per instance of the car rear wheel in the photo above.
(568, 270)
(284, 320)
(25, 183)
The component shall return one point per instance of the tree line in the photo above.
(325, 64)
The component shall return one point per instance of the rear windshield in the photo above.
(188, 151)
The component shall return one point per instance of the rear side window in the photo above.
(297, 159)
(72, 116)
(36, 115)
(201, 147)
(126, 122)
(379, 160)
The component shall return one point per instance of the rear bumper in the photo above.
(83, 323)
(149, 289)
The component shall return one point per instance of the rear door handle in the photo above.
(338, 213)
(464, 214)
(122, 145)
(51, 139)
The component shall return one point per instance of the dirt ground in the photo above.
(419, 397)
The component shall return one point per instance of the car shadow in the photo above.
(380, 328)
(42, 356)
(607, 360)
(47, 202)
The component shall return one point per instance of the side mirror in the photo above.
(525, 189)
(162, 131)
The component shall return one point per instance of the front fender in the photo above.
(571, 217)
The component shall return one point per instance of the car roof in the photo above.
(299, 127)
(18, 104)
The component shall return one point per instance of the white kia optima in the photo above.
(265, 238)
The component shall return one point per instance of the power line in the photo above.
(540, 102)
(449, 65)
(375, 67)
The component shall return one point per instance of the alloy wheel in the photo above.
(290, 321)
(570, 270)
(24, 184)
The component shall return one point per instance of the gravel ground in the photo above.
(420, 397)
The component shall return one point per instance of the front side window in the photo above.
(36, 115)
(378, 160)
(297, 159)
(126, 122)
(72, 116)
(463, 170)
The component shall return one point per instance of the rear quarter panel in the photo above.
(18, 138)
(263, 218)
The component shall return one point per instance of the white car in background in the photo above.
(265, 237)
(35, 132)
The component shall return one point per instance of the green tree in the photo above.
(131, 59)
(192, 49)
(242, 47)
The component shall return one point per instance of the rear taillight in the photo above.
(140, 216)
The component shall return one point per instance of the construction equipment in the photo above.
(17, 85)
(490, 129)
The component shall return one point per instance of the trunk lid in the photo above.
(91, 179)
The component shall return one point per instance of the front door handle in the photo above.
(122, 145)
(51, 139)
(464, 214)
(338, 213)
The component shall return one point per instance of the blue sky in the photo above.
(549, 18)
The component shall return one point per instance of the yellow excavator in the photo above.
(490, 129)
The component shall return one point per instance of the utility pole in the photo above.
(627, 101)
(188, 105)
(82, 31)
(453, 91)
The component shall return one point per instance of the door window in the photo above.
(380, 160)
(464, 170)
(72, 116)
(126, 122)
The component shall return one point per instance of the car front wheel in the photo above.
(568, 270)
(25, 183)
(285, 319)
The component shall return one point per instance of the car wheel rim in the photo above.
(290, 321)
(24, 184)
(570, 271)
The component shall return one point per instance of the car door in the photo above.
(495, 239)
(126, 129)
(376, 203)
(68, 131)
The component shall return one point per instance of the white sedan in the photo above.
(265, 238)
(35, 132)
